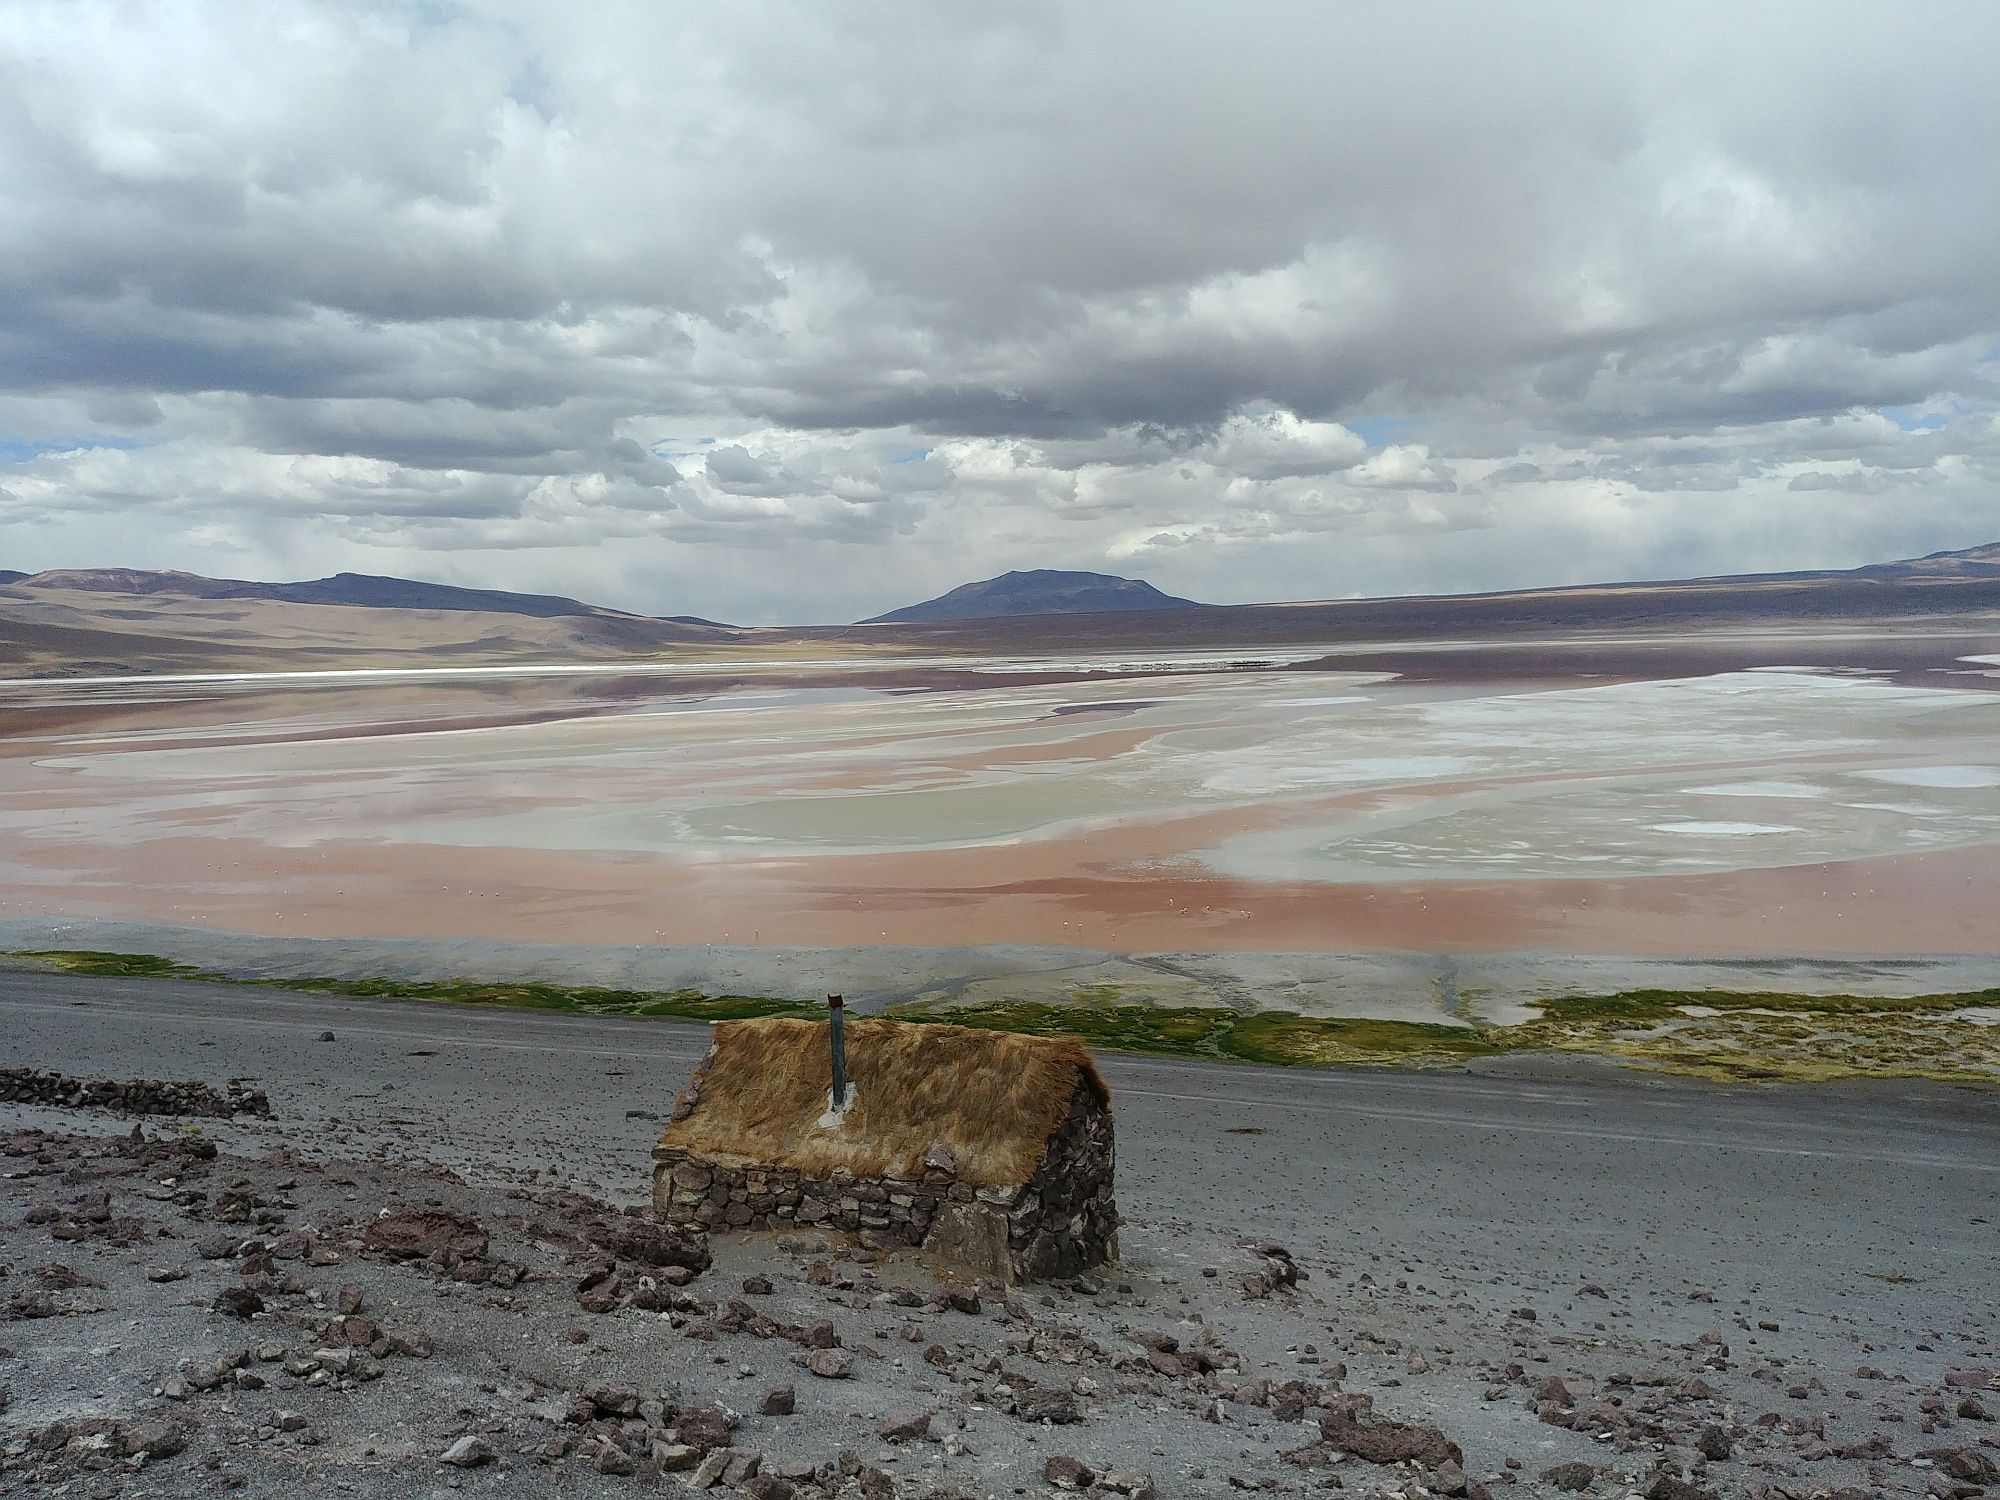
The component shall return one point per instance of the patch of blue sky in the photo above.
(22, 450)
(1375, 431)
(908, 456)
(1925, 418)
(675, 447)
(1929, 416)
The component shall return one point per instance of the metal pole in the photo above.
(837, 1031)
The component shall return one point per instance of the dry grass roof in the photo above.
(993, 1097)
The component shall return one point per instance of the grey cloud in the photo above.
(429, 280)
(445, 434)
(733, 469)
(1864, 481)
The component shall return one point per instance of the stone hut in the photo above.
(993, 1151)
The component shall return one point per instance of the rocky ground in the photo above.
(297, 1315)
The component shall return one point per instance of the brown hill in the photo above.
(1958, 584)
(360, 590)
(124, 621)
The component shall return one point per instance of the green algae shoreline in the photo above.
(1722, 1035)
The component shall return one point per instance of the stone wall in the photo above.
(1065, 1220)
(144, 1096)
(1062, 1221)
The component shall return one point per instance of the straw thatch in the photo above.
(993, 1098)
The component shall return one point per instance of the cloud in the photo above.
(423, 288)
(1275, 444)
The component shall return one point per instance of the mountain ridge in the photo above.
(353, 590)
(1036, 591)
(1955, 580)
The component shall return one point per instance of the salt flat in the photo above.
(1187, 802)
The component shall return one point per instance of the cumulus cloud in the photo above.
(782, 310)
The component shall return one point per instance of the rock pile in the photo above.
(142, 1096)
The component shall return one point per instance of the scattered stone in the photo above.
(414, 1233)
(609, 1401)
(830, 1364)
(706, 1427)
(904, 1427)
(600, 1290)
(1132, 1485)
(1968, 1464)
(651, 1244)
(1385, 1442)
(779, 1401)
(156, 1438)
(145, 1096)
(675, 1458)
(708, 1473)
(1067, 1473)
(1046, 1404)
(1574, 1475)
(469, 1452)
(1670, 1486)
(237, 1302)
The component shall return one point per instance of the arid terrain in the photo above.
(122, 621)
(1580, 863)
(414, 1276)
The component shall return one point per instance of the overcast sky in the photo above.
(802, 312)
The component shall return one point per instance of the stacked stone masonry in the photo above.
(144, 1096)
(1060, 1222)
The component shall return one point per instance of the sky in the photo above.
(801, 312)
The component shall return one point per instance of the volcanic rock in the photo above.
(414, 1233)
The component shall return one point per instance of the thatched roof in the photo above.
(993, 1097)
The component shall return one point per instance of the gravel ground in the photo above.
(1569, 1275)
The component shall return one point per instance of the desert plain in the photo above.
(1680, 943)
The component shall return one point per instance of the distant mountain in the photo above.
(1039, 591)
(1966, 562)
(360, 590)
(8, 575)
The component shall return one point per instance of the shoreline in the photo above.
(1386, 985)
(1775, 1020)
